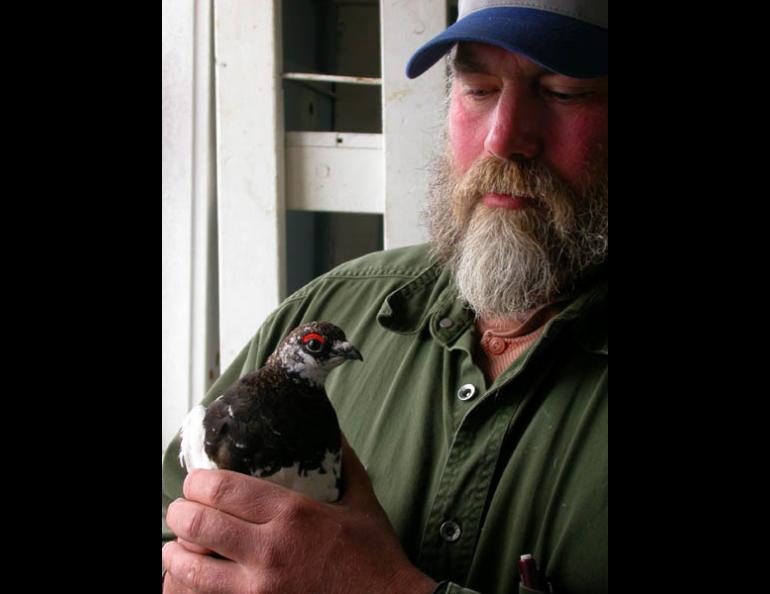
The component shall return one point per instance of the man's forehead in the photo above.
(483, 58)
(490, 59)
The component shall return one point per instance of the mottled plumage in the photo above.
(277, 423)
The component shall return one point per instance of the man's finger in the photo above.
(199, 573)
(356, 482)
(212, 529)
(255, 500)
(171, 585)
(192, 547)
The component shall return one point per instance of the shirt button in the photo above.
(446, 323)
(466, 392)
(496, 345)
(450, 531)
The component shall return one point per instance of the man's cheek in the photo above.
(577, 155)
(466, 137)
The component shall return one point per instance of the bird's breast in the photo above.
(322, 483)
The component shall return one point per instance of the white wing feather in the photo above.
(192, 453)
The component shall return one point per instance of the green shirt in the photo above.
(469, 485)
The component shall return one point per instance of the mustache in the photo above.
(517, 177)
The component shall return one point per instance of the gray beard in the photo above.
(506, 262)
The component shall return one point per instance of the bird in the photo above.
(277, 422)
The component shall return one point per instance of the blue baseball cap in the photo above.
(566, 36)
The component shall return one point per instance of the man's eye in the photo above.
(478, 94)
(565, 97)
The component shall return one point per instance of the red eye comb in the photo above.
(312, 336)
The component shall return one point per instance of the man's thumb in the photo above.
(357, 487)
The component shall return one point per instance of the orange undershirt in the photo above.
(504, 340)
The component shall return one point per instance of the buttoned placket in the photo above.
(454, 521)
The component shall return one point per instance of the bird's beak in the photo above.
(348, 351)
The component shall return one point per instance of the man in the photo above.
(478, 421)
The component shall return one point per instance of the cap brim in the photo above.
(559, 43)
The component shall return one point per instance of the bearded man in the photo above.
(477, 425)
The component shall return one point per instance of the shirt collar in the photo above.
(404, 310)
(428, 298)
(431, 298)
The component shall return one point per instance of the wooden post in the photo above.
(250, 180)
(411, 118)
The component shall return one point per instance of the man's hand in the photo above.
(276, 540)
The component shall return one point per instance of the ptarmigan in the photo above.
(277, 423)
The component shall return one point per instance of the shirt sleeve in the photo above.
(452, 588)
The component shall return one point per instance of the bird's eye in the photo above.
(313, 342)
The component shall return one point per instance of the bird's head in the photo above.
(312, 350)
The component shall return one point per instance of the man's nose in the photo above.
(514, 127)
